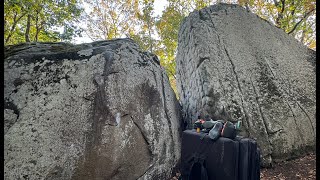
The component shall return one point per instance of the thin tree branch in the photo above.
(280, 14)
(93, 39)
(302, 19)
(294, 10)
(283, 4)
(15, 22)
(27, 37)
(37, 27)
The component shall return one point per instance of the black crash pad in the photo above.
(221, 156)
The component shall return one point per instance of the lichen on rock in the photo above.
(103, 110)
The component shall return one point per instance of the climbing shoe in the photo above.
(215, 132)
(209, 124)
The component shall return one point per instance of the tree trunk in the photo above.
(37, 27)
(15, 21)
(12, 28)
(37, 34)
(150, 38)
(28, 29)
(280, 14)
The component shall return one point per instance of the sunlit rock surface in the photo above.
(233, 65)
(103, 110)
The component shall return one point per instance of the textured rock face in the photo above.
(103, 110)
(233, 65)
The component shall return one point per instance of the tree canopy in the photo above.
(33, 21)
(295, 17)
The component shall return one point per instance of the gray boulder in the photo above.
(233, 65)
(103, 110)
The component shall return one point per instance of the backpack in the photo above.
(229, 130)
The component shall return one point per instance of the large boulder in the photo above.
(103, 110)
(233, 65)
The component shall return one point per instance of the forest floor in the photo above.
(303, 168)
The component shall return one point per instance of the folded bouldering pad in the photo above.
(219, 158)
(249, 159)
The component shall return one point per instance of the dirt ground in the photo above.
(303, 168)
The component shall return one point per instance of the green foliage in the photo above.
(28, 20)
(111, 19)
(168, 28)
(295, 17)
(146, 22)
